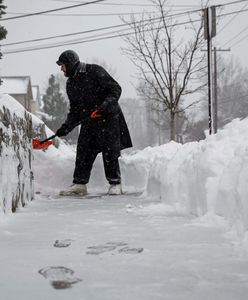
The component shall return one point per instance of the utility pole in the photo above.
(209, 33)
(215, 94)
(215, 88)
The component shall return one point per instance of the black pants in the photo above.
(87, 153)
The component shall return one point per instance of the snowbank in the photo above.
(209, 177)
(22, 169)
(16, 187)
(53, 170)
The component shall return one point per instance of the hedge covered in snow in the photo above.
(16, 178)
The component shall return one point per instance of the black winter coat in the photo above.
(90, 88)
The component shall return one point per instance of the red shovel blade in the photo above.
(37, 145)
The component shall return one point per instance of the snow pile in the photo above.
(53, 168)
(209, 177)
(19, 164)
(15, 155)
(136, 168)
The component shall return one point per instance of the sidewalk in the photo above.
(110, 248)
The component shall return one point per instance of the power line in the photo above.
(236, 36)
(239, 41)
(52, 10)
(231, 20)
(93, 38)
(234, 2)
(243, 30)
(234, 12)
(114, 4)
(134, 4)
(131, 4)
(95, 30)
(64, 35)
(72, 42)
(92, 14)
(84, 15)
(87, 39)
(94, 2)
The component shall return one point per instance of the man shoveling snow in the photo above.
(93, 96)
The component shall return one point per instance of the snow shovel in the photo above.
(39, 145)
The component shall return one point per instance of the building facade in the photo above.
(20, 88)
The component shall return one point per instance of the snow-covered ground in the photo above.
(207, 178)
(124, 248)
(179, 232)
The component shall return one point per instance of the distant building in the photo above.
(36, 103)
(20, 88)
(134, 110)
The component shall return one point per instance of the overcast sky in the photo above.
(232, 31)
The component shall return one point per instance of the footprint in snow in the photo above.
(59, 277)
(130, 250)
(62, 243)
(95, 250)
(109, 246)
(117, 244)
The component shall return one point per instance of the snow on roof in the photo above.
(14, 85)
(13, 105)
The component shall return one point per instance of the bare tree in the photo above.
(232, 90)
(232, 79)
(166, 63)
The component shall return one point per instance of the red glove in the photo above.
(95, 114)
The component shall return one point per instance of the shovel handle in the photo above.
(48, 139)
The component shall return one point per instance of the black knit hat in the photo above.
(68, 58)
